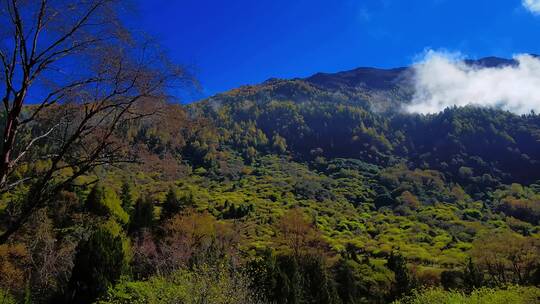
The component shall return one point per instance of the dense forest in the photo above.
(316, 190)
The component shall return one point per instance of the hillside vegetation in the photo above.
(293, 191)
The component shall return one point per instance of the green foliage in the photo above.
(126, 197)
(207, 283)
(403, 281)
(318, 192)
(143, 214)
(289, 279)
(175, 203)
(100, 262)
(512, 294)
(104, 202)
(95, 202)
(6, 298)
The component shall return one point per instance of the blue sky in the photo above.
(237, 42)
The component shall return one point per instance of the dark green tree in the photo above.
(349, 289)
(535, 278)
(143, 215)
(472, 276)
(289, 281)
(319, 287)
(277, 278)
(403, 282)
(99, 262)
(232, 211)
(95, 201)
(452, 279)
(126, 196)
(263, 271)
(172, 204)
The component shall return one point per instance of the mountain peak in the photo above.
(374, 78)
(491, 62)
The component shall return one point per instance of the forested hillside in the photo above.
(292, 191)
(296, 191)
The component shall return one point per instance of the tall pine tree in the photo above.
(172, 205)
(403, 282)
(126, 196)
(472, 277)
(95, 201)
(99, 262)
(143, 215)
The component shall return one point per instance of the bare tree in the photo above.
(71, 74)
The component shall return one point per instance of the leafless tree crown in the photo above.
(71, 74)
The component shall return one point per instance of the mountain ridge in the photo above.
(377, 89)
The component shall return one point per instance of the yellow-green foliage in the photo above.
(510, 295)
(431, 230)
(6, 298)
(216, 284)
(113, 203)
(116, 230)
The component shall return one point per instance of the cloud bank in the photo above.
(532, 5)
(443, 80)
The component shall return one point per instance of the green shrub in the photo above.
(102, 201)
(509, 295)
(6, 298)
(99, 262)
(217, 284)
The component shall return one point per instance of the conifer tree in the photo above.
(472, 277)
(143, 215)
(95, 201)
(126, 196)
(348, 287)
(279, 144)
(403, 282)
(99, 262)
(172, 205)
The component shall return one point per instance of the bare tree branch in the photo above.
(98, 72)
(30, 144)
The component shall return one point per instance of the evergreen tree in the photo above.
(289, 283)
(126, 196)
(535, 278)
(263, 271)
(472, 277)
(452, 279)
(172, 205)
(348, 288)
(142, 216)
(279, 144)
(318, 285)
(99, 262)
(287, 279)
(403, 282)
(95, 201)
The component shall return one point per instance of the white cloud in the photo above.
(443, 80)
(532, 5)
